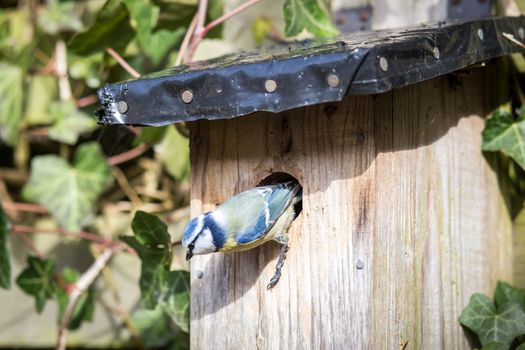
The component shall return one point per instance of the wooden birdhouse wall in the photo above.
(403, 219)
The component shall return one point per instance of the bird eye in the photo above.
(191, 245)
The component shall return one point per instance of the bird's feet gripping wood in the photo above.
(278, 267)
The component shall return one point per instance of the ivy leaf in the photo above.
(5, 264)
(506, 293)
(159, 286)
(151, 241)
(85, 306)
(500, 324)
(144, 19)
(311, 15)
(59, 17)
(69, 192)
(42, 90)
(110, 29)
(11, 98)
(505, 133)
(151, 135)
(261, 26)
(176, 301)
(37, 280)
(495, 346)
(176, 163)
(176, 14)
(70, 122)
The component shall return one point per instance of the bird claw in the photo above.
(280, 262)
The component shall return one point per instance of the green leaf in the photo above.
(144, 19)
(311, 15)
(37, 280)
(151, 135)
(111, 29)
(59, 17)
(502, 324)
(70, 122)
(85, 306)
(505, 293)
(260, 28)
(495, 346)
(11, 99)
(174, 154)
(521, 347)
(504, 133)
(42, 90)
(157, 330)
(176, 301)
(177, 14)
(151, 241)
(69, 192)
(158, 285)
(88, 68)
(5, 263)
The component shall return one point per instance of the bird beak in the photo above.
(189, 254)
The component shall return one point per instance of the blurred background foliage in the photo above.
(69, 188)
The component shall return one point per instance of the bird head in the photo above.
(197, 237)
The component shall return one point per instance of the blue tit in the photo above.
(245, 221)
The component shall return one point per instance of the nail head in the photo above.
(436, 53)
(332, 80)
(200, 274)
(383, 64)
(481, 34)
(360, 264)
(270, 85)
(187, 96)
(122, 107)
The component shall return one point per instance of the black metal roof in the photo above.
(308, 72)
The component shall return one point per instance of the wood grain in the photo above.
(402, 221)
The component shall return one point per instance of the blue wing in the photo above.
(251, 214)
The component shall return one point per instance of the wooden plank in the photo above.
(402, 221)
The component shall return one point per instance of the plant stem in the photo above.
(61, 232)
(201, 16)
(80, 287)
(201, 32)
(186, 41)
(64, 88)
(87, 100)
(228, 15)
(128, 155)
(123, 63)
(28, 207)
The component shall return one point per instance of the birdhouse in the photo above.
(402, 216)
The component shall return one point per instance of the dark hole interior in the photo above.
(276, 178)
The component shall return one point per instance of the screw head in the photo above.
(360, 264)
(122, 107)
(332, 80)
(436, 53)
(187, 96)
(383, 64)
(200, 274)
(481, 34)
(270, 85)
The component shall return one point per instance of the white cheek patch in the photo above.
(218, 218)
(204, 243)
